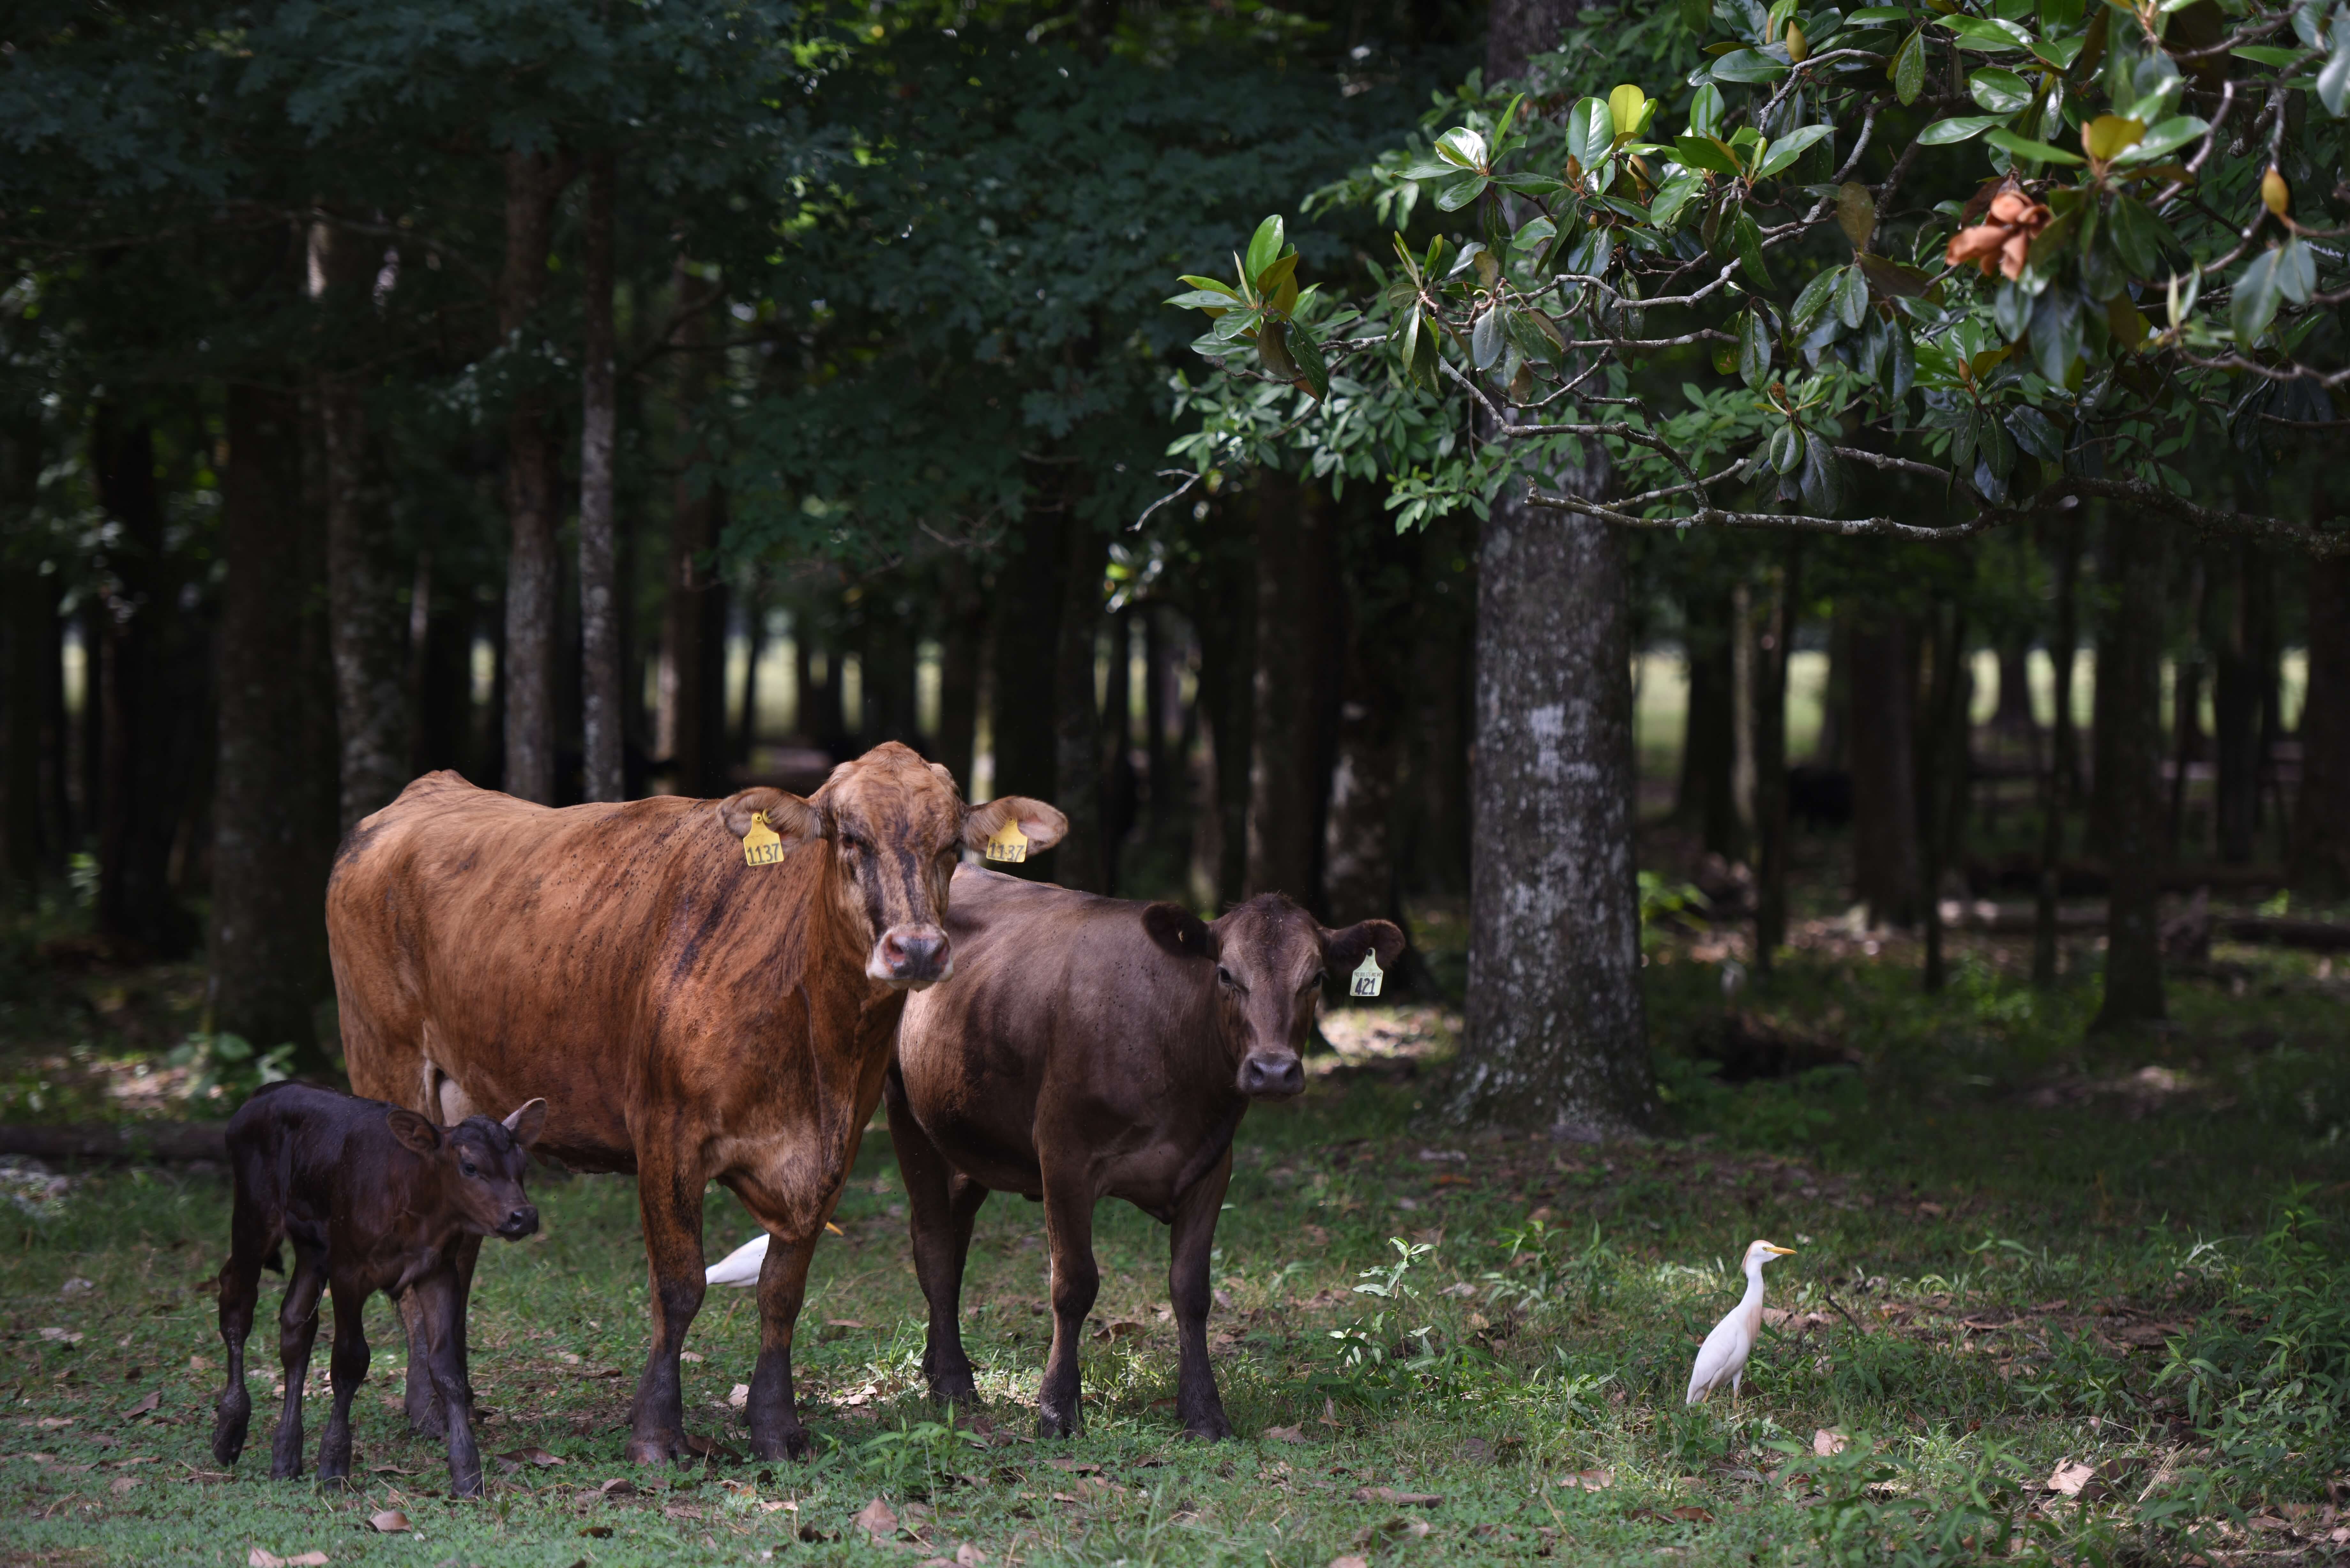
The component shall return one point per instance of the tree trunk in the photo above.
(1777, 641)
(1161, 698)
(1359, 849)
(1878, 742)
(2056, 777)
(1436, 822)
(963, 628)
(274, 816)
(1708, 797)
(1224, 612)
(441, 675)
(1120, 788)
(694, 630)
(534, 182)
(1025, 621)
(2320, 846)
(889, 665)
(2236, 713)
(603, 768)
(1942, 777)
(1080, 861)
(150, 701)
(754, 648)
(2130, 699)
(1829, 749)
(1556, 1033)
(2187, 711)
(29, 629)
(1288, 758)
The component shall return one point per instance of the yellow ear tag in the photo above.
(763, 845)
(1009, 844)
(1367, 977)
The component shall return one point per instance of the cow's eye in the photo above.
(1313, 981)
(1226, 976)
(467, 1167)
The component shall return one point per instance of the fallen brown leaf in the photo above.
(390, 1521)
(1825, 1442)
(688, 1356)
(618, 1486)
(1694, 1514)
(739, 1396)
(123, 1484)
(1285, 1434)
(1388, 1494)
(969, 1556)
(259, 1558)
(387, 1470)
(1075, 1466)
(154, 1401)
(1350, 1560)
(533, 1456)
(1120, 1328)
(1590, 1480)
(2068, 1478)
(879, 1521)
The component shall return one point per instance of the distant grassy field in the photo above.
(2014, 1250)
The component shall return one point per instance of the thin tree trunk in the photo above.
(1120, 787)
(1878, 742)
(695, 625)
(1777, 642)
(1025, 619)
(963, 628)
(1160, 699)
(2321, 847)
(275, 817)
(1831, 749)
(603, 770)
(533, 182)
(1081, 858)
(2186, 713)
(1709, 791)
(1943, 780)
(2055, 776)
(1358, 847)
(1556, 1032)
(2130, 696)
(1288, 766)
(2236, 715)
(755, 648)
(28, 628)
(1225, 614)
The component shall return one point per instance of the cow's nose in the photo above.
(1271, 1077)
(911, 955)
(522, 1223)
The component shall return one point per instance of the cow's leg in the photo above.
(1069, 1233)
(773, 1408)
(251, 1237)
(419, 1402)
(1190, 1240)
(669, 1198)
(941, 1204)
(347, 1368)
(441, 1305)
(297, 1325)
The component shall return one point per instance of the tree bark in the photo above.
(1777, 641)
(603, 763)
(2129, 698)
(1878, 742)
(1161, 698)
(1358, 847)
(2236, 713)
(2321, 844)
(1080, 859)
(533, 182)
(694, 629)
(1517, 30)
(754, 648)
(1943, 776)
(2055, 776)
(1288, 755)
(1120, 788)
(369, 657)
(1556, 1032)
(29, 629)
(1224, 612)
(887, 658)
(151, 702)
(2187, 711)
(961, 652)
(1025, 616)
(274, 814)
(1709, 750)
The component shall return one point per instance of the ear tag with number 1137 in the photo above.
(1367, 977)
(1008, 844)
(763, 845)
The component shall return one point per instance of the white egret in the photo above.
(1723, 1357)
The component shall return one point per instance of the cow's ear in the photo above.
(1342, 951)
(792, 818)
(1178, 930)
(946, 777)
(529, 1120)
(414, 1131)
(1043, 824)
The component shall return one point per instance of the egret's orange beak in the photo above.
(1779, 1251)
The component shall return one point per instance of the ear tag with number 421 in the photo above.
(763, 845)
(1367, 977)
(1008, 844)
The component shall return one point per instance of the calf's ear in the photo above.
(414, 1131)
(792, 818)
(1178, 930)
(1343, 950)
(529, 1120)
(1043, 825)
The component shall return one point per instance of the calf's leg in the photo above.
(1069, 1233)
(251, 1236)
(297, 1325)
(1190, 1240)
(419, 1403)
(776, 1429)
(941, 1203)
(440, 1306)
(669, 1198)
(347, 1368)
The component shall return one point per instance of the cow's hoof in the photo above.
(465, 1484)
(959, 1391)
(1049, 1425)
(1208, 1429)
(658, 1449)
(285, 1470)
(426, 1418)
(794, 1444)
(233, 1416)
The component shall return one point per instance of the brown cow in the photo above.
(689, 1016)
(1092, 1046)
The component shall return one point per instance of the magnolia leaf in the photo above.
(2034, 434)
(1695, 152)
(1272, 349)
(1876, 16)
(2109, 135)
(1852, 297)
(2138, 235)
(2162, 137)
(1855, 213)
(1672, 196)
(2055, 336)
(2334, 80)
(1282, 270)
(1987, 36)
(1790, 147)
(1312, 367)
(1754, 350)
(1823, 484)
(1787, 446)
(1264, 246)
(1461, 147)
(2060, 52)
(1747, 66)
(1999, 89)
(1590, 132)
(1908, 69)
(2296, 271)
(1705, 110)
(1750, 251)
(1626, 105)
(1963, 129)
(1461, 193)
(1813, 302)
(2024, 147)
(1485, 340)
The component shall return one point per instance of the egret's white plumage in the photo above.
(1723, 1357)
(741, 1266)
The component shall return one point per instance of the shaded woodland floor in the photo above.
(2021, 1251)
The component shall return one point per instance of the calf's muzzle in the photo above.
(521, 1221)
(911, 955)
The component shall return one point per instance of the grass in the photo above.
(2018, 1248)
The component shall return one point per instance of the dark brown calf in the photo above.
(1093, 1047)
(372, 1198)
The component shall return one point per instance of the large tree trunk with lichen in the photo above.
(1556, 1032)
(533, 181)
(602, 775)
